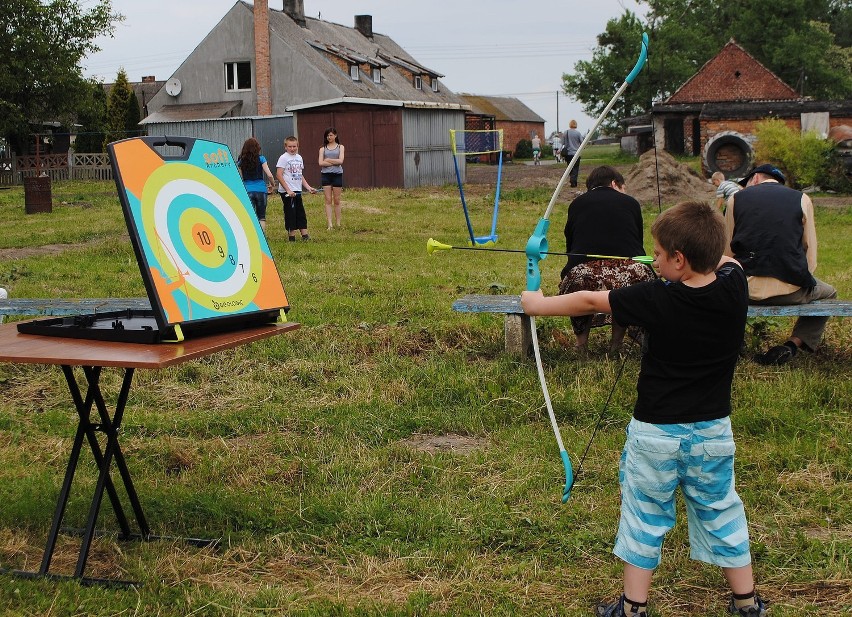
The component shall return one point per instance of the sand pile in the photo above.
(677, 181)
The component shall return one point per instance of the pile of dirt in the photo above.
(677, 181)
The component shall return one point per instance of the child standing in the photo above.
(680, 433)
(253, 168)
(331, 165)
(291, 179)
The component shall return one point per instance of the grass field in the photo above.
(388, 458)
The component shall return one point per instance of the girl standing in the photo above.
(331, 179)
(253, 167)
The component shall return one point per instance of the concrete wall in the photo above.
(202, 74)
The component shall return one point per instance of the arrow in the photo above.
(433, 245)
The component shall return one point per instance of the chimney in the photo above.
(262, 70)
(364, 25)
(149, 79)
(296, 10)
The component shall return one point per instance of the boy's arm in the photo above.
(308, 186)
(570, 305)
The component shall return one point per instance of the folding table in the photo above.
(93, 357)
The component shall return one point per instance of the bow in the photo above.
(536, 250)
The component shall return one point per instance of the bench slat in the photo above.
(511, 305)
(77, 306)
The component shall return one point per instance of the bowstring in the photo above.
(605, 406)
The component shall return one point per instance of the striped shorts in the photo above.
(698, 457)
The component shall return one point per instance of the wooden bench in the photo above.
(71, 306)
(516, 328)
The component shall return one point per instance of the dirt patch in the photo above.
(659, 175)
(36, 251)
(678, 181)
(456, 444)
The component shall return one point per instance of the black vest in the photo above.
(768, 233)
(256, 174)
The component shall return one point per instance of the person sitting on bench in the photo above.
(771, 233)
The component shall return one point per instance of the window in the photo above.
(377, 75)
(237, 76)
(418, 82)
(354, 72)
(434, 84)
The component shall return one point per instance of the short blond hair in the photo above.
(572, 124)
(718, 176)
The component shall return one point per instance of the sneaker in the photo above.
(758, 610)
(615, 609)
(306, 237)
(292, 238)
(775, 356)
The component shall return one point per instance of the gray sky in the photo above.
(497, 47)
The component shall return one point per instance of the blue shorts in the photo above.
(698, 457)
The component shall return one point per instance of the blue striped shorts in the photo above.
(698, 457)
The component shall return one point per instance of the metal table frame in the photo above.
(93, 356)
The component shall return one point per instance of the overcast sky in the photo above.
(497, 47)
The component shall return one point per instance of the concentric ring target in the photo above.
(197, 225)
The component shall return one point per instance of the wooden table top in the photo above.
(38, 349)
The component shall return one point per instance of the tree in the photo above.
(43, 44)
(807, 43)
(594, 82)
(122, 111)
(91, 118)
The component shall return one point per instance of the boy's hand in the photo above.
(529, 299)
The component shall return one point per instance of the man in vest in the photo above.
(771, 233)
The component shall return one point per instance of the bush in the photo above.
(806, 159)
(523, 149)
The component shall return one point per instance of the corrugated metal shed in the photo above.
(269, 131)
(428, 153)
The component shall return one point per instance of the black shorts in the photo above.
(331, 180)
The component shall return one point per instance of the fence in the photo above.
(71, 166)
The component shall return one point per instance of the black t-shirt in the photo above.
(692, 342)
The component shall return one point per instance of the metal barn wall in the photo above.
(371, 135)
(269, 131)
(428, 154)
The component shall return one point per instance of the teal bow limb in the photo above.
(536, 250)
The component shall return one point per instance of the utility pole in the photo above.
(557, 111)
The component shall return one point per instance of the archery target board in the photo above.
(200, 247)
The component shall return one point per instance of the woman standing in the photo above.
(253, 167)
(331, 166)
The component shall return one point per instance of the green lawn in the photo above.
(305, 453)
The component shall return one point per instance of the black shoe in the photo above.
(615, 609)
(776, 356)
(758, 610)
(306, 237)
(292, 238)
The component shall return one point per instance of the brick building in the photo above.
(503, 112)
(714, 112)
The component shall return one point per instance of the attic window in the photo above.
(354, 72)
(418, 82)
(434, 84)
(237, 76)
(377, 75)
